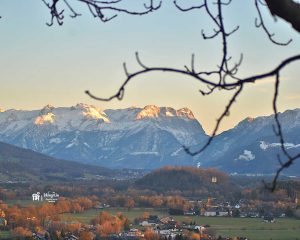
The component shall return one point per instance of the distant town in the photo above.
(168, 203)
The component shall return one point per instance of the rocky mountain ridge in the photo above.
(149, 137)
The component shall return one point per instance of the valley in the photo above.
(86, 173)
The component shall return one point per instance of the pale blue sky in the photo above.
(41, 65)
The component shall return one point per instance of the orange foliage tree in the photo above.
(21, 232)
(108, 224)
(151, 235)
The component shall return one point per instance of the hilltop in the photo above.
(17, 165)
(184, 179)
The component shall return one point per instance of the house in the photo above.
(222, 213)
(253, 214)
(133, 233)
(190, 213)
(243, 214)
(237, 206)
(147, 223)
(71, 237)
(113, 237)
(200, 229)
(210, 213)
(154, 219)
(169, 234)
(165, 220)
(269, 218)
(102, 206)
(171, 224)
(39, 236)
(165, 232)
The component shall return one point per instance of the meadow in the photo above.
(5, 234)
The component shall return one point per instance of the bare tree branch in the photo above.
(288, 10)
(260, 23)
(96, 8)
(226, 75)
(219, 120)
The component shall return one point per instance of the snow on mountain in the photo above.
(40, 120)
(149, 137)
(149, 111)
(252, 146)
(152, 111)
(134, 137)
(263, 145)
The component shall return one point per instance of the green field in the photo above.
(4, 234)
(254, 229)
(23, 202)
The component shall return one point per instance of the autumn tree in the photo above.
(21, 232)
(195, 236)
(85, 235)
(107, 224)
(151, 235)
(145, 215)
(129, 203)
(72, 227)
(225, 77)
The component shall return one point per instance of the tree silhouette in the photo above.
(226, 76)
(103, 10)
(107, 10)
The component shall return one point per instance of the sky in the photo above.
(43, 65)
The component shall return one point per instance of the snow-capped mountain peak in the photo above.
(149, 111)
(147, 137)
(47, 109)
(185, 112)
(111, 137)
(95, 113)
(250, 119)
(170, 112)
(46, 118)
(152, 111)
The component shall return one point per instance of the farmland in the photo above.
(253, 228)
(5, 234)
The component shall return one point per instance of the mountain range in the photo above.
(148, 138)
(252, 147)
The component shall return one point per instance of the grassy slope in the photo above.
(22, 164)
(5, 234)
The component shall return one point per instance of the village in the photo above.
(148, 211)
(146, 226)
(151, 228)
